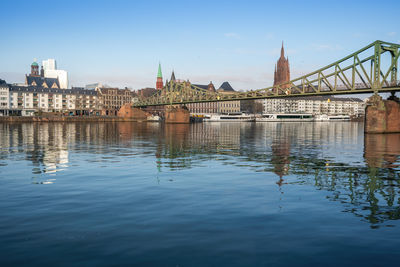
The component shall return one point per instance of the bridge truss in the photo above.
(371, 69)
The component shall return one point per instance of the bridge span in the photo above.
(372, 69)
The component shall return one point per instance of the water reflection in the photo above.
(361, 172)
(382, 150)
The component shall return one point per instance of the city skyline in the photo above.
(121, 43)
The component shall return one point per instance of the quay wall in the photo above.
(65, 119)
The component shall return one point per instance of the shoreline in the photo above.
(91, 119)
(67, 119)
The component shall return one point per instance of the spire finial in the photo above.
(282, 51)
(173, 76)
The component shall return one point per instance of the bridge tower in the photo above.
(159, 83)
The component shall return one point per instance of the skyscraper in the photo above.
(49, 64)
(282, 72)
(51, 71)
(159, 83)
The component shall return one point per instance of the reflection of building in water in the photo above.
(219, 136)
(181, 144)
(44, 144)
(280, 157)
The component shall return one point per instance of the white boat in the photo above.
(230, 118)
(153, 118)
(282, 117)
(325, 117)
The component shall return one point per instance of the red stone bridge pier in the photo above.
(382, 116)
(172, 114)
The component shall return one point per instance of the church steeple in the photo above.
(173, 76)
(159, 74)
(282, 71)
(159, 83)
(35, 68)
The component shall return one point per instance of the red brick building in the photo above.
(112, 99)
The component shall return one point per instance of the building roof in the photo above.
(118, 91)
(173, 76)
(202, 86)
(40, 89)
(41, 81)
(35, 63)
(225, 86)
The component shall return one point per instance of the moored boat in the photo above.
(153, 118)
(282, 117)
(229, 118)
(325, 117)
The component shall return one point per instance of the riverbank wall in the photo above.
(67, 119)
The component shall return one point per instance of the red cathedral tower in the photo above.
(282, 72)
(159, 83)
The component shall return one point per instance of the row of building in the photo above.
(46, 91)
(315, 105)
(310, 104)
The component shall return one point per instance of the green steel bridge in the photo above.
(372, 69)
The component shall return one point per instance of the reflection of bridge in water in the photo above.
(321, 155)
(368, 70)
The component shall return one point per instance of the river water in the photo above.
(211, 194)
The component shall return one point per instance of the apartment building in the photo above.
(315, 105)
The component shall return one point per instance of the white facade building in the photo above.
(51, 71)
(49, 64)
(315, 105)
(26, 100)
(4, 98)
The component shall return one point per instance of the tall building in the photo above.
(49, 64)
(159, 83)
(282, 71)
(51, 71)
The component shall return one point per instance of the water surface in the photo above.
(212, 194)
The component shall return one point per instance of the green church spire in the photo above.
(159, 75)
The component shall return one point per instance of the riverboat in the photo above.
(325, 117)
(229, 118)
(153, 118)
(283, 117)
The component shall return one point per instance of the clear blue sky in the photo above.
(121, 42)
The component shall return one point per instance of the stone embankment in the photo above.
(65, 119)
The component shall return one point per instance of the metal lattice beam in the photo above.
(371, 69)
